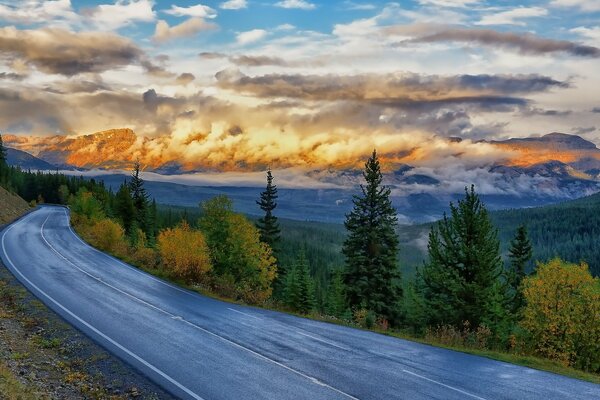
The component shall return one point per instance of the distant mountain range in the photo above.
(540, 170)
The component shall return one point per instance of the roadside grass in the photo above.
(524, 360)
(12, 389)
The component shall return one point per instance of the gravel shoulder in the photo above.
(43, 357)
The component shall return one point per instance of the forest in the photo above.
(514, 281)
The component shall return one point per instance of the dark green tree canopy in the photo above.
(372, 275)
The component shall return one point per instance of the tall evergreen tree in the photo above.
(139, 197)
(336, 296)
(372, 276)
(3, 161)
(299, 286)
(519, 254)
(460, 282)
(3, 165)
(268, 225)
(124, 209)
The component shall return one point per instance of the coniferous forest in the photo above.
(515, 281)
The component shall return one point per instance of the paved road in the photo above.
(200, 348)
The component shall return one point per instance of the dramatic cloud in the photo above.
(198, 11)
(512, 17)
(234, 5)
(300, 4)
(525, 43)
(58, 51)
(397, 88)
(251, 36)
(190, 27)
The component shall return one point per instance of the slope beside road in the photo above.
(201, 348)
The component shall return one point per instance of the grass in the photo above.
(12, 389)
(529, 361)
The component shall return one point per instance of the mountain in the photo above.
(26, 161)
(529, 172)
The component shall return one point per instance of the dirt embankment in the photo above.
(11, 206)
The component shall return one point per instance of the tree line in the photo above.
(462, 295)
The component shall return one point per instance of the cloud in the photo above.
(351, 5)
(299, 4)
(512, 17)
(59, 51)
(12, 76)
(122, 13)
(393, 88)
(583, 130)
(189, 27)
(449, 3)
(234, 4)
(251, 36)
(198, 11)
(585, 5)
(257, 61)
(185, 78)
(525, 43)
(38, 11)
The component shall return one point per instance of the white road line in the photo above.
(310, 378)
(92, 328)
(444, 385)
(323, 340)
(179, 289)
(243, 313)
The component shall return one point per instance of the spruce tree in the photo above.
(372, 276)
(139, 197)
(268, 225)
(519, 254)
(3, 162)
(336, 296)
(460, 282)
(3, 165)
(124, 209)
(299, 286)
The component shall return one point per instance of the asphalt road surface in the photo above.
(201, 348)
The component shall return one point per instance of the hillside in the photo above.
(12, 206)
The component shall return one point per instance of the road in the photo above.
(200, 348)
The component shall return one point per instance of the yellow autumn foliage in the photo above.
(107, 235)
(184, 253)
(562, 315)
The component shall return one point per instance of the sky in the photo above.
(239, 84)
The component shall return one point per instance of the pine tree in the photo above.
(372, 276)
(299, 287)
(3, 161)
(520, 254)
(124, 209)
(3, 165)
(139, 197)
(461, 280)
(268, 225)
(336, 296)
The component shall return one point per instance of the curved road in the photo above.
(200, 348)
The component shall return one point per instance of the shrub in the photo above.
(562, 314)
(184, 253)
